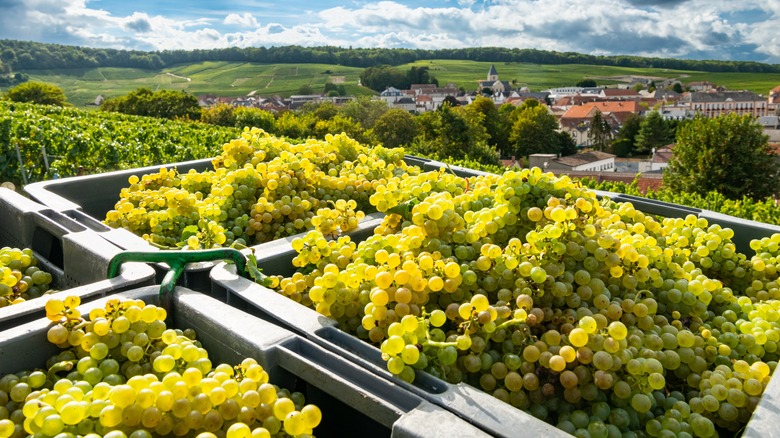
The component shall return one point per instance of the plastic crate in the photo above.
(353, 401)
(479, 408)
(77, 258)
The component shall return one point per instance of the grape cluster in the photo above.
(586, 313)
(123, 373)
(262, 188)
(20, 277)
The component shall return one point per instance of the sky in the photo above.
(744, 30)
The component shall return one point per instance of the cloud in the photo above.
(715, 29)
(139, 23)
(242, 20)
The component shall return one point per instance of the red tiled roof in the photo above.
(584, 111)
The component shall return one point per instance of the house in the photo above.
(576, 120)
(676, 112)
(661, 157)
(405, 103)
(769, 122)
(717, 103)
(424, 103)
(618, 94)
(701, 86)
(774, 95)
(391, 94)
(586, 161)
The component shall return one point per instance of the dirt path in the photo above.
(179, 77)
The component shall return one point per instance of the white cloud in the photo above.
(721, 29)
(242, 20)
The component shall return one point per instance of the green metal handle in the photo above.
(177, 261)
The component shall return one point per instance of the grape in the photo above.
(177, 398)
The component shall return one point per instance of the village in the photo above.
(574, 107)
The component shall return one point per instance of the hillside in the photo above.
(242, 78)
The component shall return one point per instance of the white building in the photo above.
(593, 161)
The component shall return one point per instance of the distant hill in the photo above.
(26, 55)
(85, 73)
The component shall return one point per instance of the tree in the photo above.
(677, 88)
(455, 133)
(495, 123)
(728, 154)
(534, 132)
(254, 118)
(600, 132)
(365, 111)
(653, 133)
(167, 104)
(623, 146)
(221, 114)
(305, 89)
(396, 128)
(566, 144)
(37, 92)
(586, 83)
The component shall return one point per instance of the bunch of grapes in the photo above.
(586, 313)
(123, 373)
(20, 277)
(262, 188)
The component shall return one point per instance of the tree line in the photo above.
(27, 55)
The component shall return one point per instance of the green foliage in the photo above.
(221, 114)
(534, 131)
(294, 126)
(168, 104)
(365, 111)
(623, 146)
(31, 55)
(340, 123)
(454, 132)
(395, 128)
(80, 142)
(728, 154)
(586, 83)
(380, 77)
(600, 132)
(654, 132)
(254, 118)
(766, 210)
(37, 92)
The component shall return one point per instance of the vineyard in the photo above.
(45, 142)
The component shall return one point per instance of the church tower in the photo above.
(492, 74)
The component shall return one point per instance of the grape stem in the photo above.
(440, 344)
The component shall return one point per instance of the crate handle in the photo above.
(177, 261)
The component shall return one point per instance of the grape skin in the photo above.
(172, 397)
(650, 307)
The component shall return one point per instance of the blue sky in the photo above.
(697, 29)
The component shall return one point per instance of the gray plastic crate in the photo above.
(77, 258)
(479, 408)
(353, 401)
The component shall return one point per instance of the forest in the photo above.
(25, 55)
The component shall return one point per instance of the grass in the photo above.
(239, 79)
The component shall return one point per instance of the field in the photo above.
(240, 79)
